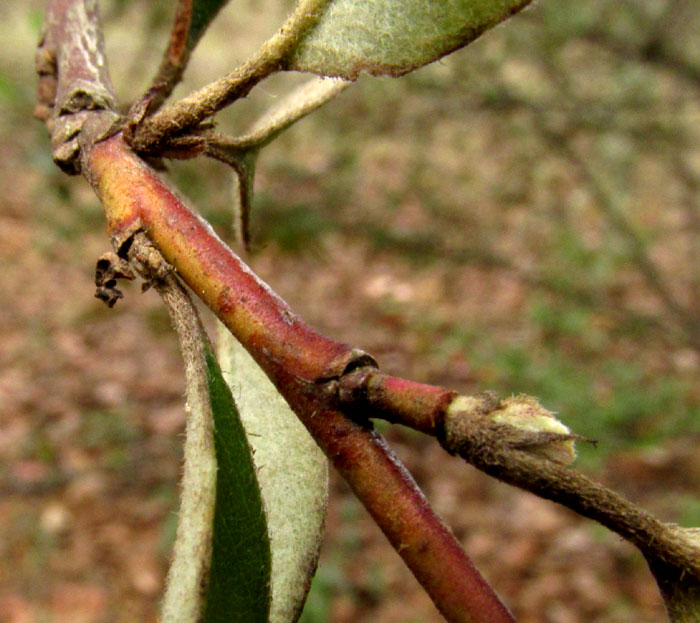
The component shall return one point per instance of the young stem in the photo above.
(189, 112)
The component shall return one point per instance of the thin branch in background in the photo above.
(558, 141)
(576, 109)
(692, 209)
(638, 249)
(184, 36)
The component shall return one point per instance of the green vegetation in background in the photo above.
(690, 514)
(326, 585)
(333, 578)
(613, 401)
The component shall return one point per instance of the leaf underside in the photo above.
(391, 37)
(293, 476)
(239, 579)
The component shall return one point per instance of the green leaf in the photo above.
(394, 37)
(239, 579)
(203, 12)
(293, 476)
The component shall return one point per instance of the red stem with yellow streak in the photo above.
(306, 368)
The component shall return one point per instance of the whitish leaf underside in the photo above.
(394, 37)
(293, 476)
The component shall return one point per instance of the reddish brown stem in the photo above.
(176, 55)
(135, 198)
(398, 506)
(399, 401)
(304, 366)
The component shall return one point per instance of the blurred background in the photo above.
(522, 216)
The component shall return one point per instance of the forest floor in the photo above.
(440, 262)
